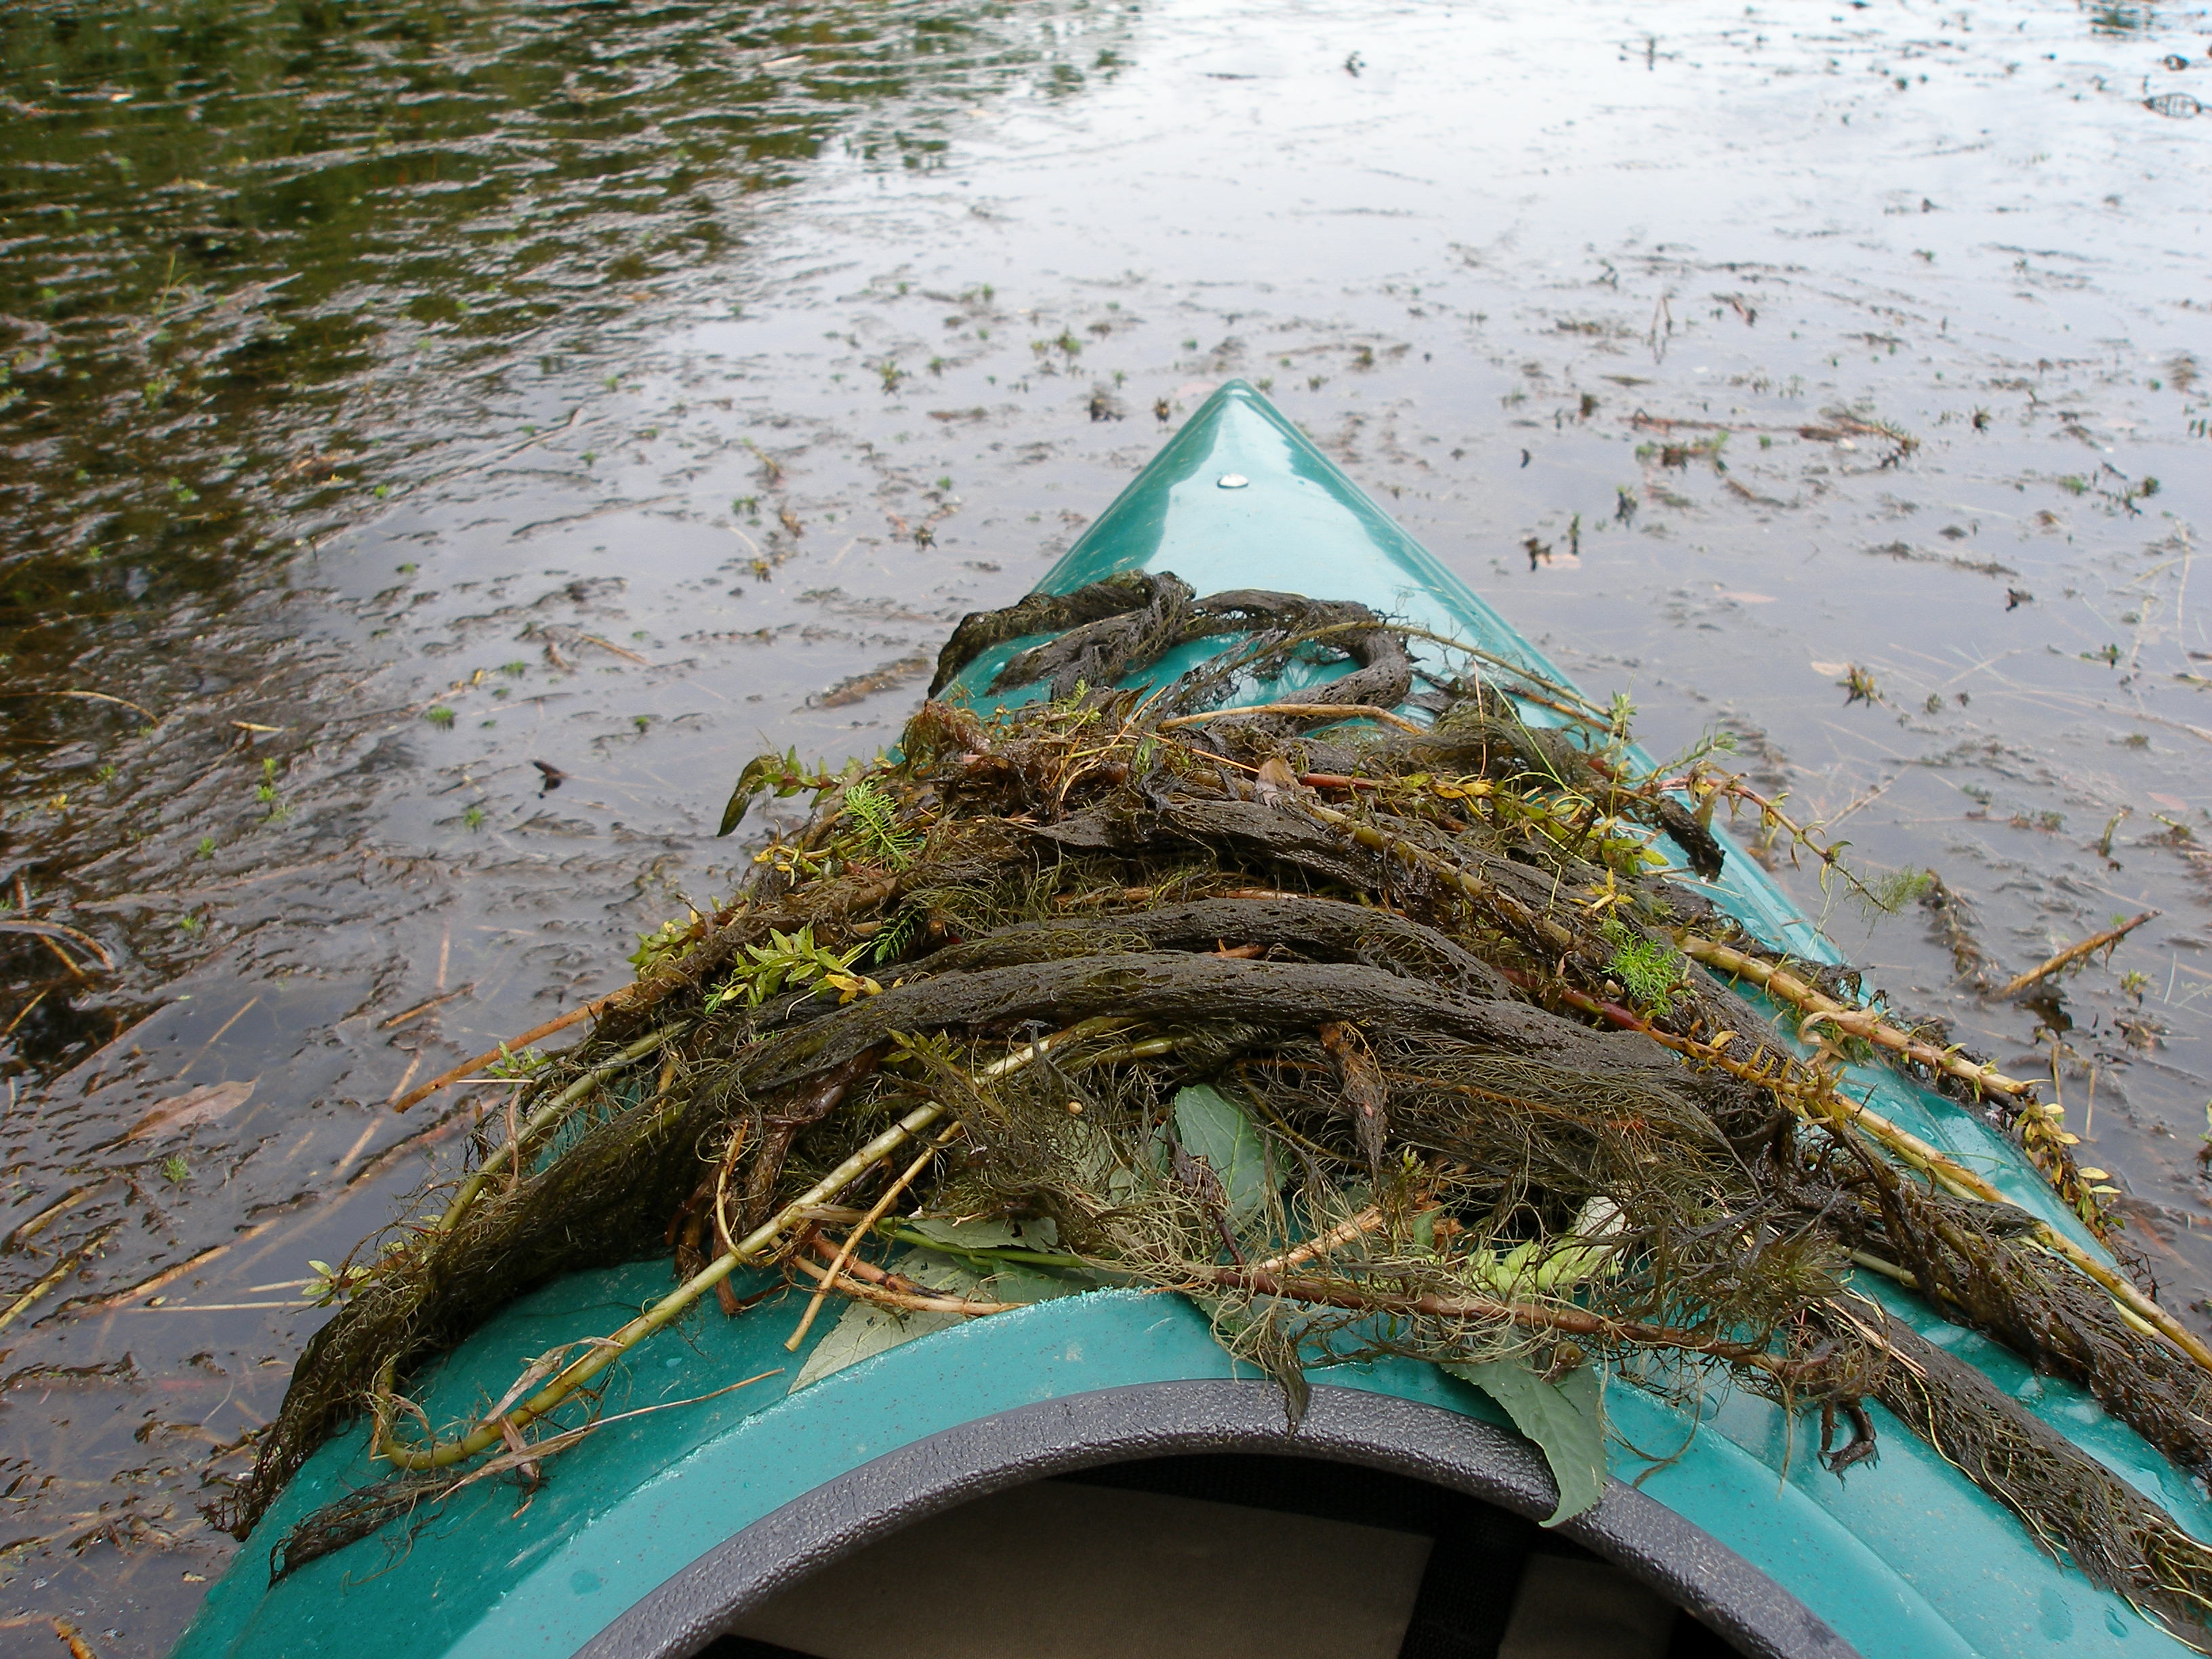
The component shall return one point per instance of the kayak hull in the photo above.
(661, 1531)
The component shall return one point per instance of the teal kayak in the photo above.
(1095, 1475)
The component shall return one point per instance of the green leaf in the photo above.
(1015, 1282)
(968, 1234)
(1566, 1419)
(868, 1330)
(1212, 1126)
(759, 774)
(1091, 1152)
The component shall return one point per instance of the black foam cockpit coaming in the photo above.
(1373, 1459)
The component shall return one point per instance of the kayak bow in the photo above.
(743, 1524)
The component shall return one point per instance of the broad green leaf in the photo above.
(1091, 1150)
(1029, 1233)
(1566, 1419)
(1014, 1281)
(1212, 1126)
(1019, 1283)
(967, 1235)
(866, 1330)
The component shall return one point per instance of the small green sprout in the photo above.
(1899, 888)
(1649, 973)
(787, 962)
(528, 1063)
(873, 809)
(330, 1284)
(660, 946)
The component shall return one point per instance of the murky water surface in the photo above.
(397, 397)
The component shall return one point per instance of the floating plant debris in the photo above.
(1372, 1034)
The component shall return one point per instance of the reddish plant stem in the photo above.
(1578, 1322)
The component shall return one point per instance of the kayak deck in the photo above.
(643, 1525)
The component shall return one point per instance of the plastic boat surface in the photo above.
(660, 1535)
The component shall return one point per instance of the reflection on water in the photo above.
(400, 398)
(266, 258)
(254, 246)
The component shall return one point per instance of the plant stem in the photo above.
(543, 1119)
(2130, 1299)
(860, 1231)
(1944, 1169)
(1359, 1227)
(1473, 885)
(2073, 953)
(1578, 1321)
(1308, 710)
(861, 1289)
(482, 1436)
(1887, 1269)
(605, 1352)
(987, 1256)
(1853, 1022)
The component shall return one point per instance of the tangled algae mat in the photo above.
(1371, 1035)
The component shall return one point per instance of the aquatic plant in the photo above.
(1372, 1035)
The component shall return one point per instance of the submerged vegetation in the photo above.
(1371, 1036)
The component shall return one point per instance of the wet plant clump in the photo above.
(1371, 1035)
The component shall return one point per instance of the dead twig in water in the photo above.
(88, 696)
(2072, 954)
(421, 1008)
(54, 930)
(54, 1276)
(61, 1205)
(168, 1275)
(462, 1072)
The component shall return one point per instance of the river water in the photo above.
(396, 397)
